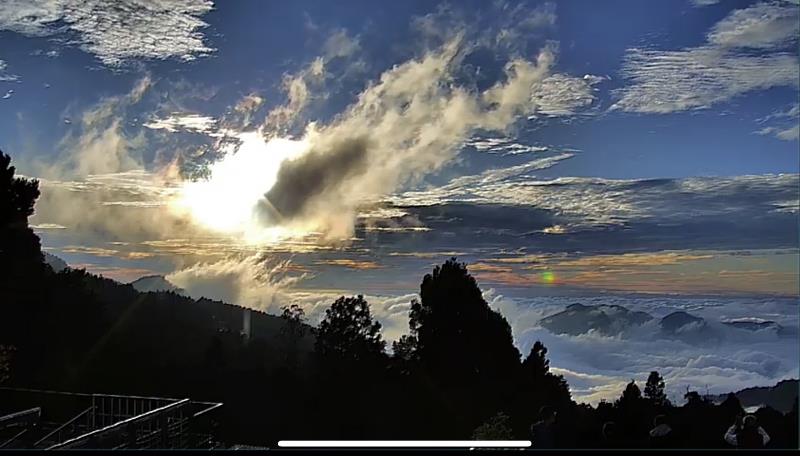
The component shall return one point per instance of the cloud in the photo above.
(786, 134)
(682, 272)
(787, 123)
(298, 88)
(251, 281)
(264, 284)
(597, 366)
(503, 146)
(633, 259)
(723, 68)
(350, 263)
(99, 144)
(183, 122)
(5, 76)
(763, 25)
(583, 203)
(120, 274)
(696, 78)
(340, 44)
(106, 253)
(248, 105)
(701, 3)
(408, 124)
(116, 32)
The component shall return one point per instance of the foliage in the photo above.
(498, 427)
(348, 332)
(654, 389)
(6, 355)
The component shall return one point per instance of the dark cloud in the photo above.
(318, 172)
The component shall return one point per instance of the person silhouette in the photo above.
(662, 435)
(611, 435)
(542, 431)
(746, 433)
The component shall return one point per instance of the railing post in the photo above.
(162, 420)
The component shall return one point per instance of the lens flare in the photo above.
(225, 202)
(548, 277)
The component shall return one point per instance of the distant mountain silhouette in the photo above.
(762, 325)
(681, 321)
(781, 397)
(155, 283)
(607, 319)
(754, 325)
(55, 263)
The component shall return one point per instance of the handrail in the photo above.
(71, 393)
(14, 437)
(11, 417)
(204, 411)
(120, 424)
(58, 429)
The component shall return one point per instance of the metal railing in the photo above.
(70, 426)
(118, 421)
(135, 432)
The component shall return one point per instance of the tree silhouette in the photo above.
(18, 195)
(632, 413)
(348, 333)
(654, 389)
(630, 395)
(350, 354)
(536, 364)
(292, 333)
(538, 387)
(459, 338)
(546, 387)
(20, 250)
(694, 399)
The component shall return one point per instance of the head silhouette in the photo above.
(547, 414)
(610, 430)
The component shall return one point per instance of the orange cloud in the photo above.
(350, 263)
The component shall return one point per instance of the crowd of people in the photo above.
(744, 433)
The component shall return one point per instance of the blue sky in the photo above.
(264, 152)
(118, 120)
(255, 43)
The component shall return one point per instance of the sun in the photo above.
(225, 202)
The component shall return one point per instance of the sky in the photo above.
(274, 152)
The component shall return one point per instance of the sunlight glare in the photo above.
(225, 201)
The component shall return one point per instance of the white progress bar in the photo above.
(404, 443)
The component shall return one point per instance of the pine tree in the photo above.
(654, 389)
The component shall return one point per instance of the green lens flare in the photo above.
(548, 277)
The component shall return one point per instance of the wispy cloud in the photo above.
(723, 68)
(786, 123)
(98, 143)
(119, 31)
(350, 263)
(503, 146)
(402, 128)
(182, 122)
(786, 134)
(765, 25)
(5, 76)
